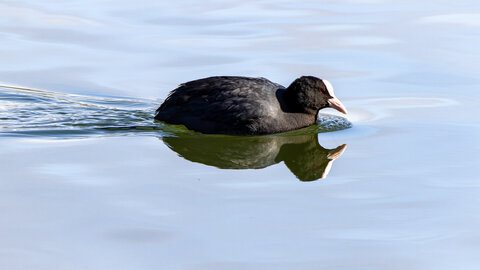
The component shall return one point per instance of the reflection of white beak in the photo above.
(337, 152)
(335, 103)
(334, 154)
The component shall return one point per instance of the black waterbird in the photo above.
(247, 106)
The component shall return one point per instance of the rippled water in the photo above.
(89, 181)
(36, 112)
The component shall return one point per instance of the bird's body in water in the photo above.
(247, 106)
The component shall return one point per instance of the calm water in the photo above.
(89, 181)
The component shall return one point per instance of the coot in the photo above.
(247, 106)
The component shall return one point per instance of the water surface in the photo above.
(89, 181)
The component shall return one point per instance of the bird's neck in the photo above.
(291, 102)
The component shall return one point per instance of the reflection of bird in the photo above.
(247, 106)
(301, 153)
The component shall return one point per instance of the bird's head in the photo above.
(311, 94)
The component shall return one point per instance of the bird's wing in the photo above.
(233, 100)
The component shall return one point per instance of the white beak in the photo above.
(337, 105)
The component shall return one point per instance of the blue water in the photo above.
(89, 181)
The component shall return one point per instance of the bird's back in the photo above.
(224, 104)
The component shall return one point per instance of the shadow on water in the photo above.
(42, 114)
